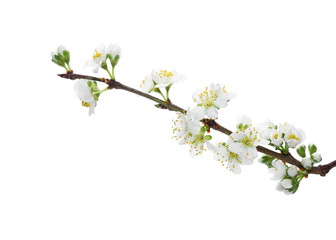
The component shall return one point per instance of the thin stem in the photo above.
(112, 77)
(321, 170)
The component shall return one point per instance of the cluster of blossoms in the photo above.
(241, 148)
(161, 79)
(88, 91)
(314, 157)
(101, 55)
(61, 57)
(209, 101)
(290, 177)
(281, 137)
(187, 128)
(192, 127)
(189, 131)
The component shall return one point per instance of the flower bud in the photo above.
(307, 163)
(316, 157)
(292, 171)
(287, 183)
(312, 148)
(301, 150)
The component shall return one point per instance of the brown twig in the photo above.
(321, 170)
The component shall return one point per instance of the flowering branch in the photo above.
(321, 170)
(192, 126)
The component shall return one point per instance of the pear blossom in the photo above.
(161, 79)
(188, 131)
(316, 157)
(278, 170)
(99, 56)
(59, 51)
(265, 129)
(230, 159)
(61, 57)
(147, 84)
(307, 163)
(286, 183)
(275, 137)
(281, 188)
(294, 136)
(210, 100)
(184, 127)
(292, 171)
(245, 142)
(84, 94)
(113, 52)
(243, 122)
(165, 78)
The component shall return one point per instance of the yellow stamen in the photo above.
(97, 55)
(292, 136)
(165, 73)
(85, 104)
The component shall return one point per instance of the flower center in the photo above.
(208, 97)
(293, 136)
(275, 136)
(165, 73)
(198, 138)
(97, 55)
(233, 155)
(247, 141)
(85, 104)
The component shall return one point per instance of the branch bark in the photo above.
(321, 170)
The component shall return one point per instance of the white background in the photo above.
(118, 174)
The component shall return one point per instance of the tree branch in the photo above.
(321, 170)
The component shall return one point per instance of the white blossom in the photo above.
(280, 188)
(245, 142)
(316, 157)
(265, 129)
(164, 78)
(286, 183)
(230, 159)
(188, 131)
(243, 122)
(294, 137)
(278, 170)
(99, 56)
(210, 100)
(292, 171)
(147, 84)
(84, 94)
(59, 50)
(307, 163)
(275, 137)
(114, 50)
(184, 127)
